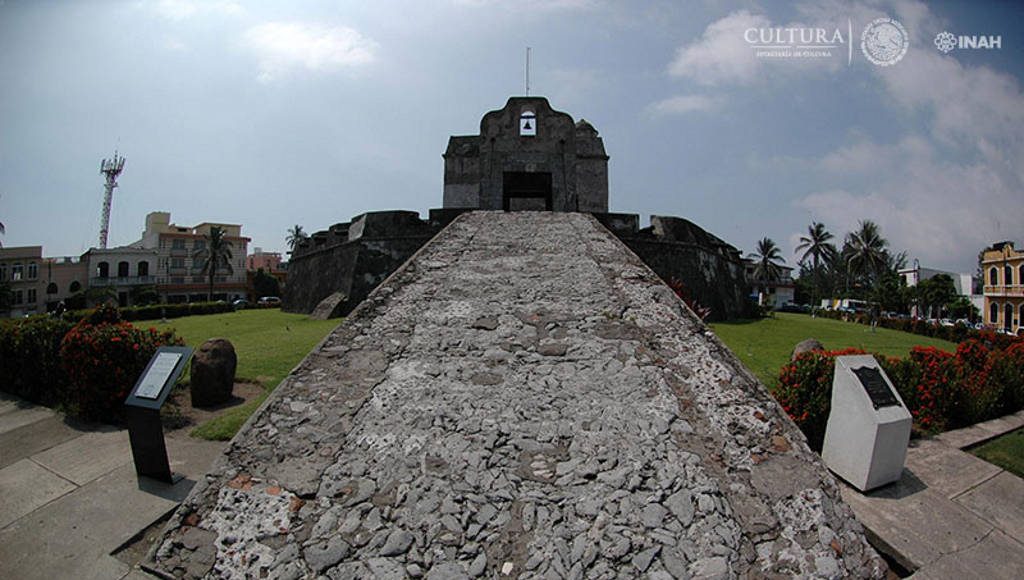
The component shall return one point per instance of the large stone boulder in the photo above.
(213, 372)
(806, 346)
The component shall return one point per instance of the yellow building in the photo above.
(1003, 269)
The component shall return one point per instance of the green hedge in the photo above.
(955, 333)
(83, 367)
(158, 311)
(30, 358)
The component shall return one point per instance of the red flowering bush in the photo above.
(684, 294)
(941, 390)
(805, 391)
(935, 391)
(102, 357)
(1008, 371)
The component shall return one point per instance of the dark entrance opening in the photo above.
(524, 191)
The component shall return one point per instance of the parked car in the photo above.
(270, 301)
(240, 304)
(946, 322)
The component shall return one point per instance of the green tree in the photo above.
(867, 252)
(265, 285)
(818, 250)
(216, 255)
(937, 294)
(144, 295)
(295, 235)
(768, 262)
(5, 296)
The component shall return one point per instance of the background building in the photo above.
(123, 270)
(964, 283)
(179, 275)
(1003, 270)
(64, 278)
(267, 261)
(771, 293)
(19, 269)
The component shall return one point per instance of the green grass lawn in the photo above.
(268, 343)
(1006, 451)
(765, 345)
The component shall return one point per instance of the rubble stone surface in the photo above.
(524, 398)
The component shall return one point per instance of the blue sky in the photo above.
(273, 114)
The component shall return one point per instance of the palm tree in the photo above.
(867, 251)
(818, 249)
(216, 255)
(768, 259)
(816, 244)
(295, 235)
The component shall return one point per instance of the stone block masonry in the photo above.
(523, 398)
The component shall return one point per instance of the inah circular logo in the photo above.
(945, 41)
(884, 41)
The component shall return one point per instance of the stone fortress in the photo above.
(527, 156)
(523, 397)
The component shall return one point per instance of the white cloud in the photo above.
(683, 104)
(183, 9)
(721, 54)
(948, 188)
(531, 5)
(946, 195)
(283, 46)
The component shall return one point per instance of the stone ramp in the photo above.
(524, 398)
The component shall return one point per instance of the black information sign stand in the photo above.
(145, 430)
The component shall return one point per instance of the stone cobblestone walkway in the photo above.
(523, 399)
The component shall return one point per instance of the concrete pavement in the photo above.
(952, 515)
(69, 496)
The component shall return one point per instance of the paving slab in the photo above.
(89, 456)
(26, 486)
(32, 438)
(999, 500)
(21, 417)
(919, 523)
(946, 469)
(981, 432)
(995, 557)
(9, 403)
(71, 534)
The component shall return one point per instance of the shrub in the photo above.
(102, 357)
(684, 294)
(935, 388)
(956, 333)
(158, 311)
(805, 391)
(1008, 371)
(30, 358)
(941, 390)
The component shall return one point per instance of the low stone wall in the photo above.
(679, 249)
(354, 257)
(524, 398)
